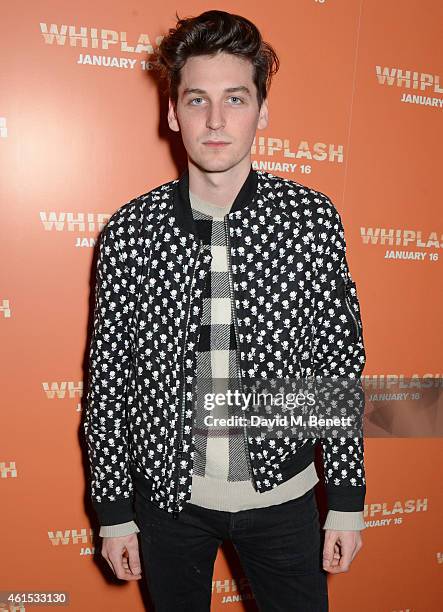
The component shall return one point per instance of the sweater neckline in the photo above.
(208, 208)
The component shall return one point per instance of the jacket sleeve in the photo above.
(339, 359)
(105, 423)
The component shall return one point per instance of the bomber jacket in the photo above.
(297, 315)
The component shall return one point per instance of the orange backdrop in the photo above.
(356, 112)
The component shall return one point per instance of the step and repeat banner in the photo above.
(356, 111)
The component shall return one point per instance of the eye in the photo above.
(194, 99)
(236, 98)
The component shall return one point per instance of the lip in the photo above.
(215, 143)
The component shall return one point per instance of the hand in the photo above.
(339, 550)
(123, 557)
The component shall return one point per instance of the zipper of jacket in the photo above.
(237, 347)
(183, 402)
(348, 306)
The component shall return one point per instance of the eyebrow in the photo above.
(196, 90)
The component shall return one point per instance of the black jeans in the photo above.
(279, 549)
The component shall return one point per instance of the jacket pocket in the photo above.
(347, 290)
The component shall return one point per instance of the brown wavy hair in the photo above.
(208, 34)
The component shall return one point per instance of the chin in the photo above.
(211, 166)
(215, 165)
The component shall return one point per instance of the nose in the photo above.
(215, 118)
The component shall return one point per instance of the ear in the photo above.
(172, 117)
(263, 117)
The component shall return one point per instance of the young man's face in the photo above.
(212, 113)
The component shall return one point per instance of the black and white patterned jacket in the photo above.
(296, 313)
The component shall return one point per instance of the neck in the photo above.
(218, 188)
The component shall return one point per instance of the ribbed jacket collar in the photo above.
(246, 197)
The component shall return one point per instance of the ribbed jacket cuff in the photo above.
(346, 498)
(344, 521)
(113, 513)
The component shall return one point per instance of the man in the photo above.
(228, 274)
